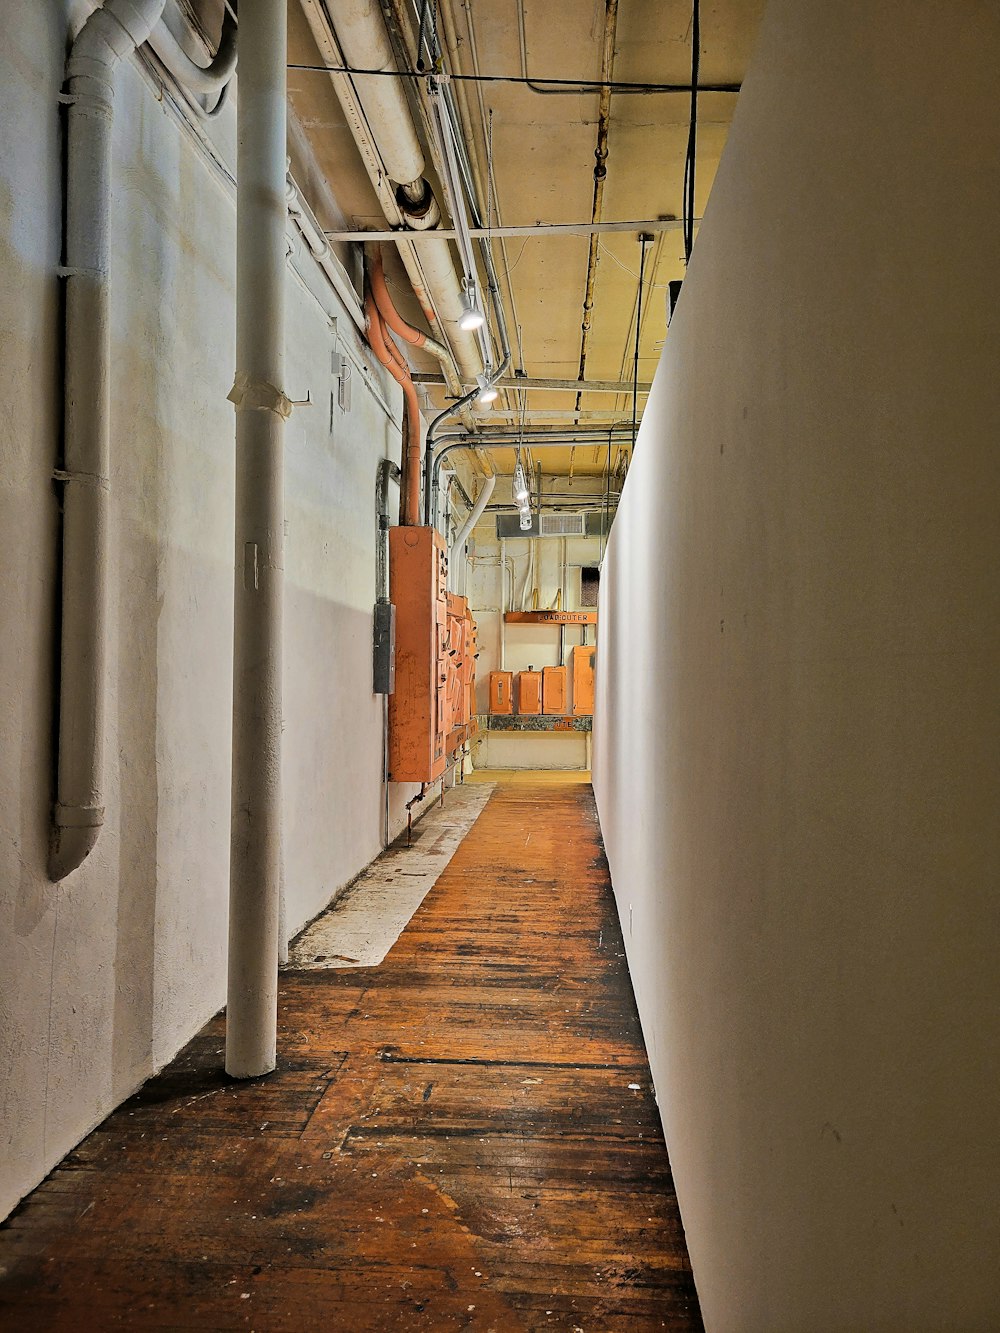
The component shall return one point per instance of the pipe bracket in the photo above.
(258, 396)
(79, 816)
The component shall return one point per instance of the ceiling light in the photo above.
(487, 392)
(471, 317)
(520, 486)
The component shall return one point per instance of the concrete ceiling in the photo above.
(534, 155)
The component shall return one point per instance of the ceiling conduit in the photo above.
(380, 121)
(390, 356)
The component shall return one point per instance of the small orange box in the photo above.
(501, 688)
(529, 693)
(583, 680)
(554, 689)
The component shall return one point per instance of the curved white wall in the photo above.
(797, 759)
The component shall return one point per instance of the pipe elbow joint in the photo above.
(422, 214)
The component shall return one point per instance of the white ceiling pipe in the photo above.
(476, 513)
(365, 43)
(384, 132)
(111, 33)
(261, 409)
(313, 235)
(210, 78)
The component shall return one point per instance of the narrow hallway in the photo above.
(462, 1137)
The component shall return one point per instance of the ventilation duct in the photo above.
(562, 525)
(593, 524)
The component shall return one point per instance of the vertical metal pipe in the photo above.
(261, 409)
(110, 35)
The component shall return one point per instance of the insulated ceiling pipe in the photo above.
(112, 32)
(261, 410)
(380, 121)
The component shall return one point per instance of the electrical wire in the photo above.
(563, 86)
(689, 163)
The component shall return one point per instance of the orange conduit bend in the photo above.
(386, 309)
(380, 343)
(392, 317)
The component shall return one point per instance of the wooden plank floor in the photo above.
(462, 1138)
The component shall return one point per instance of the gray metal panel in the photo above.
(384, 649)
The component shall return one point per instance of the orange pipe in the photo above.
(380, 343)
(386, 309)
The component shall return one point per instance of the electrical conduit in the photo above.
(110, 34)
(389, 355)
(465, 531)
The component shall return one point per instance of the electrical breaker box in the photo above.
(554, 689)
(501, 683)
(583, 680)
(460, 667)
(529, 693)
(419, 716)
(431, 709)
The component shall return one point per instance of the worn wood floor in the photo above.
(462, 1138)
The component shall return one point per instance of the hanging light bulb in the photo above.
(487, 392)
(471, 317)
(525, 520)
(520, 486)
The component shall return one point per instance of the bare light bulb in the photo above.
(471, 317)
(487, 392)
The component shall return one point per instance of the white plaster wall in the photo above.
(103, 977)
(797, 760)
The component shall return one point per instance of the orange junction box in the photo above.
(501, 683)
(529, 693)
(554, 689)
(583, 680)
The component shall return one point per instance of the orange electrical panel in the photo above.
(460, 666)
(418, 707)
(583, 680)
(554, 689)
(431, 710)
(529, 693)
(501, 683)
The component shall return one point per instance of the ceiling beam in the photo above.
(549, 385)
(536, 229)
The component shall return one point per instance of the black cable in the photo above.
(689, 162)
(643, 241)
(420, 34)
(570, 86)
